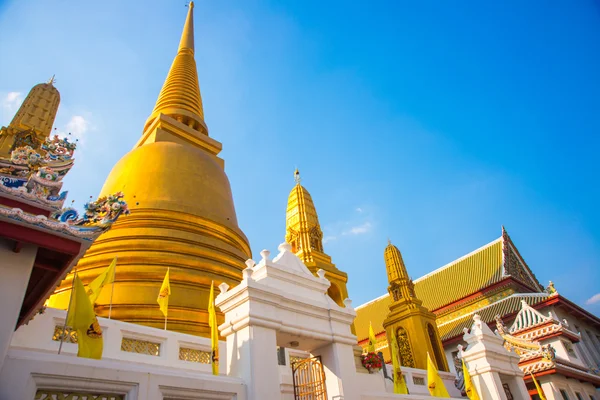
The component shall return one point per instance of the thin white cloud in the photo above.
(78, 126)
(593, 300)
(359, 229)
(12, 101)
(328, 239)
(359, 210)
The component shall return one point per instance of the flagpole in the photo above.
(64, 329)
(112, 291)
(165, 322)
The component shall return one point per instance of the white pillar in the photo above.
(252, 356)
(340, 370)
(15, 269)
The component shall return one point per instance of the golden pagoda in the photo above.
(32, 123)
(182, 213)
(303, 232)
(413, 325)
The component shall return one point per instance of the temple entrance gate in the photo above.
(309, 379)
(281, 303)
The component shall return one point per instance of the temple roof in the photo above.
(478, 269)
(507, 306)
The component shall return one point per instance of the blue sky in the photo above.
(431, 123)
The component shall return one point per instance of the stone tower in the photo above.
(303, 232)
(182, 213)
(413, 325)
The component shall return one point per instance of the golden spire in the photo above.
(187, 37)
(32, 123)
(180, 95)
(303, 230)
(394, 263)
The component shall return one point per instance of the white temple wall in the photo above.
(27, 371)
(15, 269)
(553, 384)
(587, 349)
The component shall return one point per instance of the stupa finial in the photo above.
(187, 36)
(180, 96)
(297, 176)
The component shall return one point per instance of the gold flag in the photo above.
(81, 318)
(469, 387)
(539, 389)
(372, 340)
(434, 381)
(399, 382)
(214, 332)
(94, 288)
(163, 295)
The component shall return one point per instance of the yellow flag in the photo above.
(434, 381)
(469, 387)
(163, 295)
(82, 319)
(539, 389)
(214, 332)
(399, 382)
(94, 288)
(372, 340)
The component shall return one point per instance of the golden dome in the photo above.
(176, 177)
(394, 263)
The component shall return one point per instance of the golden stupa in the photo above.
(182, 213)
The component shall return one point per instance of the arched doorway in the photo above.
(439, 361)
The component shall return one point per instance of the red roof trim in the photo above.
(40, 238)
(23, 206)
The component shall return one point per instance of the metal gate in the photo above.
(309, 379)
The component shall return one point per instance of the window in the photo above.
(281, 355)
(569, 348)
(592, 397)
(578, 396)
(564, 394)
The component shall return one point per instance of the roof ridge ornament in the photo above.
(527, 318)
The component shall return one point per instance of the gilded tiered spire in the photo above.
(413, 325)
(33, 121)
(180, 95)
(303, 232)
(401, 287)
(394, 263)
